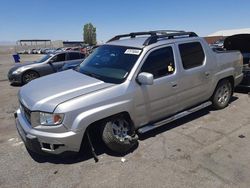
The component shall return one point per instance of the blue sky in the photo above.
(64, 20)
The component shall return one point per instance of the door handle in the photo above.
(174, 84)
(207, 73)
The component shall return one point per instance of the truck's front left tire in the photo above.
(117, 133)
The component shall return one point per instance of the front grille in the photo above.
(26, 112)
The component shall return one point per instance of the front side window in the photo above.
(44, 58)
(192, 55)
(58, 58)
(110, 63)
(159, 62)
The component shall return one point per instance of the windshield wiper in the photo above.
(91, 74)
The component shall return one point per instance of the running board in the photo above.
(150, 127)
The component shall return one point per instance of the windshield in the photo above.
(43, 58)
(110, 63)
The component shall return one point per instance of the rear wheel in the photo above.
(222, 94)
(117, 133)
(28, 76)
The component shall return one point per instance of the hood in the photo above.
(45, 93)
(238, 42)
(26, 64)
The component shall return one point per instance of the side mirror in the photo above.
(145, 78)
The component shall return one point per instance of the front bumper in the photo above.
(40, 141)
(15, 78)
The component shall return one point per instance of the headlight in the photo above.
(17, 71)
(50, 119)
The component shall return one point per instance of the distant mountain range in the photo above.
(56, 43)
(7, 43)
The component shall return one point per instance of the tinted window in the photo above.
(44, 58)
(73, 56)
(192, 54)
(159, 62)
(58, 58)
(82, 56)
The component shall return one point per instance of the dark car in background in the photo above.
(48, 64)
(241, 42)
(218, 44)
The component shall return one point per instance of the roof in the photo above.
(230, 32)
(138, 42)
(138, 39)
(132, 42)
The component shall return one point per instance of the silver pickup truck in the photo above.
(134, 83)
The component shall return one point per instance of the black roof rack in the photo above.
(155, 35)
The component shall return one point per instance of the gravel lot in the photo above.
(207, 149)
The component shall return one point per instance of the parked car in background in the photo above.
(31, 51)
(43, 50)
(48, 64)
(50, 50)
(73, 64)
(218, 44)
(22, 52)
(38, 51)
(59, 50)
(67, 49)
(134, 83)
(241, 42)
(80, 49)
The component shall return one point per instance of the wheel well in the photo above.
(95, 128)
(230, 79)
(123, 114)
(30, 70)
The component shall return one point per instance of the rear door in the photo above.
(195, 75)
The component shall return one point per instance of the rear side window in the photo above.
(73, 56)
(159, 62)
(192, 55)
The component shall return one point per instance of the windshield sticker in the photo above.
(132, 51)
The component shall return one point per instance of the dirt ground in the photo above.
(208, 149)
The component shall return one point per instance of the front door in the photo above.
(57, 62)
(160, 99)
(54, 64)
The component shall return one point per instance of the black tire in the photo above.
(118, 141)
(222, 94)
(28, 76)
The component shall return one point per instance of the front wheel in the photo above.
(222, 94)
(28, 76)
(116, 135)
